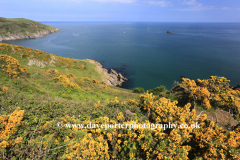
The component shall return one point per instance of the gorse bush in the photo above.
(4, 89)
(10, 66)
(71, 81)
(208, 141)
(8, 129)
(214, 90)
(35, 110)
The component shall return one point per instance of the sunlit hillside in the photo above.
(40, 93)
(20, 28)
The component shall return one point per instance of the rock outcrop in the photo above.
(27, 35)
(128, 114)
(236, 87)
(41, 63)
(113, 78)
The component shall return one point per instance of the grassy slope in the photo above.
(38, 91)
(44, 99)
(38, 88)
(21, 25)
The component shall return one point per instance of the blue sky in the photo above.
(123, 10)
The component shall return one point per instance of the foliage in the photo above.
(138, 90)
(4, 89)
(11, 66)
(21, 26)
(214, 91)
(68, 91)
(8, 129)
(208, 141)
(157, 90)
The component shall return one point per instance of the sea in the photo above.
(145, 53)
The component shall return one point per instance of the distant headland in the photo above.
(20, 28)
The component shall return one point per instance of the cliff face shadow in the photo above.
(122, 69)
(127, 84)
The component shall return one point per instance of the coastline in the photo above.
(112, 78)
(38, 34)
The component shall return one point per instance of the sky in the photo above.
(123, 10)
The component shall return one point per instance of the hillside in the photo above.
(20, 28)
(42, 94)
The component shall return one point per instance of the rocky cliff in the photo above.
(25, 35)
(113, 78)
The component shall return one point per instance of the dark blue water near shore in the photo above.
(145, 53)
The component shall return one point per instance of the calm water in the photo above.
(145, 53)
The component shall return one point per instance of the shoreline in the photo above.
(38, 34)
(111, 78)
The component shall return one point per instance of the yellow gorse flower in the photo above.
(9, 124)
(11, 67)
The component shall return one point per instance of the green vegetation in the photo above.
(40, 93)
(21, 25)
(157, 90)
(138, 90)
(48, 81)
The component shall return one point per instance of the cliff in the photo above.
(20, 28)
(113, 78)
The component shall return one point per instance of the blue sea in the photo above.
(145, 53)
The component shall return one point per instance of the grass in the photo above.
(21, 25)
(58, 89)
(37, 88)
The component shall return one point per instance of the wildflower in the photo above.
(19, 140)
(5, 89)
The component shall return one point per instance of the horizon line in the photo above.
(146, 21)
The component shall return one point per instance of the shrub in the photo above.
(138, 90)
(157, 90)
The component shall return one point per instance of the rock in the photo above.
(116, 79)
(128, 114)
(38, 63)
(152, 118)
(28, 35)
(236, 87)
(113, 78)
(169, 32)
